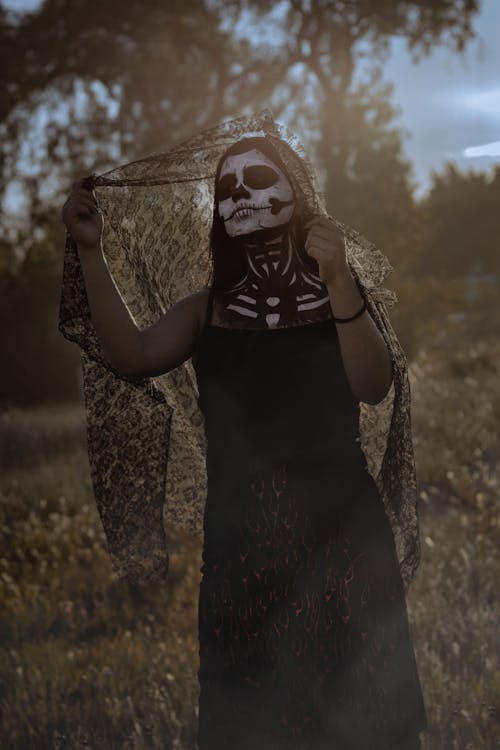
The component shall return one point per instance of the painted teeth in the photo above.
(247, 211)
(242, 213)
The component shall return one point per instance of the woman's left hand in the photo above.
(326, 244)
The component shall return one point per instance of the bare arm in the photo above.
(365, 356)
(132, 352)
(364, 352)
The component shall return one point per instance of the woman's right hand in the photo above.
(82, 216)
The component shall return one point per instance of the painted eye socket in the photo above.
(260, 177)
(225, 187)
(257, 177)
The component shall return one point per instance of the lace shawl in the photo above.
(146, 440)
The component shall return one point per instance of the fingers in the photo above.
(323, 241)
(323, 226)
(318, 253)
(322, 237)
(320, 220)
(79, 206)
(86, 183)
(84, 193)
(318, 244)
(323, 222)
(83, 197)
(81, 201)
(319, 233)
(83, 188)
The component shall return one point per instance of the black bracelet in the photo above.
(353, 317)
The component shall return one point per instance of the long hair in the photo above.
(227, 254)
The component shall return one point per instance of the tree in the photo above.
(124, 80)
(327, 63)
(89, 83)
(462, 223)
(86, 84)
(39, 365)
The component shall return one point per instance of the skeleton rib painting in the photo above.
(243, 382)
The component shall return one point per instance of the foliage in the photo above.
(434, 312)
(326, 72)
(41, 365)
(462, 223)
(88, 83)
(87, 86)
(102, 82)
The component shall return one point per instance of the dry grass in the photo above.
(453, 604)
(89, 662)
(86, 660)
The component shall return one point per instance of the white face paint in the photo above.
(252, 194)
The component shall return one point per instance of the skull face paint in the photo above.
(253, 193)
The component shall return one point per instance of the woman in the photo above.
(304, 638)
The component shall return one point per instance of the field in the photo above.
(90, 662)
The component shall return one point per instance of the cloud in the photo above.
(486, 102)
(488, 149)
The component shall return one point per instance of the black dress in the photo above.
(303, 629)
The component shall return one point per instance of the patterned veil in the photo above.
(146, 439)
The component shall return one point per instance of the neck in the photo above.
(273, 252)
(264, 257)
(276, 288)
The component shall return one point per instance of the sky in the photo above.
(448, 104)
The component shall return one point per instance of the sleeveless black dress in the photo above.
(303, 629)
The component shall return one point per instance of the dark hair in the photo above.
(227, 254)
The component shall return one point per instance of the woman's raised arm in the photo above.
(131, 352)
